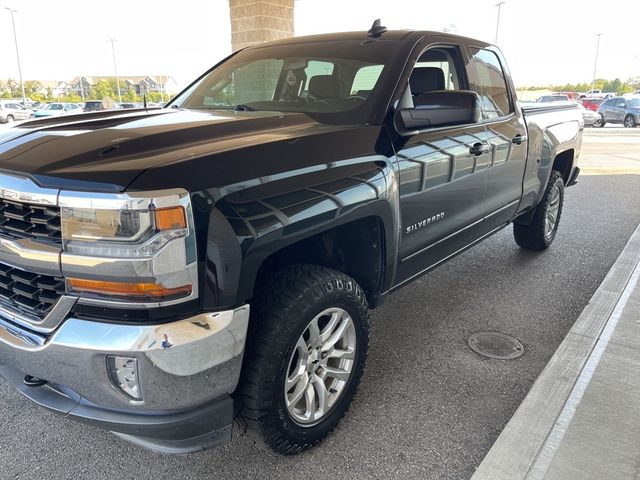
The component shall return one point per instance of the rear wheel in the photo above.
(629, 121)
(10, 119)
(540, 233)
(305, 357)
(599, 122)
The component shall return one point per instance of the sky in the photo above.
(545, 41)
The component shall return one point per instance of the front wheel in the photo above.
(629, 121)
(305, 357)
(540, 233)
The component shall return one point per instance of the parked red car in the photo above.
(592, 103)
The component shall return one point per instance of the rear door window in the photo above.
(491, 84)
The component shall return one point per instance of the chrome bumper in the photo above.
(180, 365)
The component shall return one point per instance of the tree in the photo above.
(32, 87)
(12, 86)
(103, 89)
(71, 98)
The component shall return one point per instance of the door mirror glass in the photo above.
(441, 109)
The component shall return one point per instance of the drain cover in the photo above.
(495, 345)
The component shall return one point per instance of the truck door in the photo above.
(442, 171)
(505, 131)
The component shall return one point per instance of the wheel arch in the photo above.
(563, 163)
(357, 248)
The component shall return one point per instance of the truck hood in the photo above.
(106, 151)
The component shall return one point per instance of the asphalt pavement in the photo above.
(428, 406)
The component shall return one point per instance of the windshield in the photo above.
(54, 106)
(331, 82)
(634, 102)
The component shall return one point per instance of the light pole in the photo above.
(115, 67)
(595, 63)
(499, 4)
(15, 39)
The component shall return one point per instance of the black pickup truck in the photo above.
(164, 272)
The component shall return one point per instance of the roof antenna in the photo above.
(376, 29)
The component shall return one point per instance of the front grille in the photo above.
(24, 220)
(29, 292)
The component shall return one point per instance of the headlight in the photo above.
(121, 233)
(132, 248)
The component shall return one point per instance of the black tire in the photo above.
(629, 121)
(9, 119)
(285, 305)
(599, 123)
(536, 235)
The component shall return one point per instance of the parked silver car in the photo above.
(620, 110)
(12, 112)
(57, 109)
(589, 116)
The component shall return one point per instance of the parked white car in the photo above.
(57, 109)
(12, 112)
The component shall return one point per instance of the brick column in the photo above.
(257, 21)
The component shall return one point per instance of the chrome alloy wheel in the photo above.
(320, 366)
(552, 212)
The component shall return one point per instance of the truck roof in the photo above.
(390, 35)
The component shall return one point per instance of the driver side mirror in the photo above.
(441, 109)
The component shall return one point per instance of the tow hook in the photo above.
(31, 381)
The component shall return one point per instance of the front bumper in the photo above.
(181, 368)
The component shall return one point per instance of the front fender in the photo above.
(247, 226)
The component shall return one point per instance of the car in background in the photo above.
(553, 98)
(56, 109)
(94, 106)
(592, 103)
(619, 110)
(129, 105)
(596, 94)
(571, 95)
(13, 112)
(589, 116)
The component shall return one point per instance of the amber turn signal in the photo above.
(134, 291)
(172, 218)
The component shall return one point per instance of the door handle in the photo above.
(518, 139)
(479, 148)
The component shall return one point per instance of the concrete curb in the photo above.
(525, 442)
(595, 132)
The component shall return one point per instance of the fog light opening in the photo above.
(123, 373)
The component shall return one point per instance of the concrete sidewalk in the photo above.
(581, 419)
